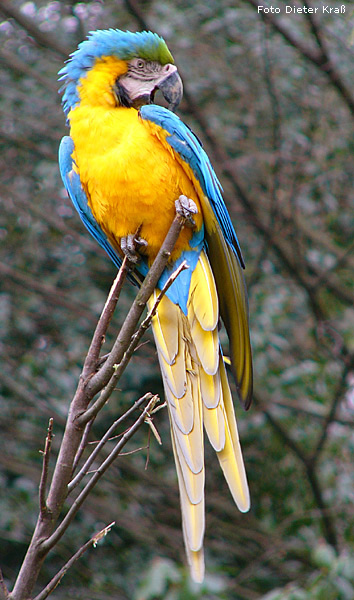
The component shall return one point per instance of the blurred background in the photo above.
(271, 97)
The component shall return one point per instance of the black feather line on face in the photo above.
(122, 95)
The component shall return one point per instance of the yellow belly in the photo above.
(131, 176)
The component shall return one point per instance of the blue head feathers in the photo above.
(109, 42)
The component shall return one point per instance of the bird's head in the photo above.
(120, 68)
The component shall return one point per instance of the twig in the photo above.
(134, 9)
(277, 159)
(135, 339)
(55, 537)
(20, 388)
(59, 576)
(107, 436)
(343, 258)
(83, 444)
(100, 379)
(147, 451)
(44, 474)
(104, 321)
(283, 434)
(129, 452)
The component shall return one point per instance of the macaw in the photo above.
(127, 164)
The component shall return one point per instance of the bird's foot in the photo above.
(186, 208)
(130, 246)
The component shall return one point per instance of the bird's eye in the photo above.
(140, 64)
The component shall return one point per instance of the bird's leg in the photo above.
(187, 208)
(130, 246)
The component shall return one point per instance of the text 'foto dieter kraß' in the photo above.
(289, 9)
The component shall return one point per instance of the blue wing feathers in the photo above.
(183, 141)
(77, 194)
(178, 293)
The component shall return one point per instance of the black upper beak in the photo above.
(172, 90)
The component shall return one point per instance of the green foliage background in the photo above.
(276, 118)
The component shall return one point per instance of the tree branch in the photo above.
(83, 444)
(16, 64)
(325, 62)
(107, 436)
(100, 379)
(91, 360)
(55, 537)
(87, 388)
(134, 341)
(44, 475)
(55, 296)
(59, 576)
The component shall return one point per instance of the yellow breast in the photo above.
(130, 174)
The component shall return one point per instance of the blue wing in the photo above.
(77, 194)
(183, 141)
(221, 242)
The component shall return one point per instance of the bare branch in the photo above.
(135, 339)
(309, 53)
(83, 444)
(308, 408)
(24, 143)
(326, 64)
(134, 9)
(107, 436)
(55, 537)
(45, 467)
(91, 360)
(273, 212)
(22, 390)
(59, 576)
(43, 537)
(100, 379)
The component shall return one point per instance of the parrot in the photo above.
(128, 164)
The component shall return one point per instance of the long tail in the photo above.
(197, 394)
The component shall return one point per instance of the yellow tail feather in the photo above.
(197, 393)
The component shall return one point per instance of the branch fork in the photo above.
(81, 417)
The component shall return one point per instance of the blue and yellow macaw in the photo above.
(126, 166)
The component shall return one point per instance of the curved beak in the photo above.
(172, 89)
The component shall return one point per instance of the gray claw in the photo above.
(129, 243)
(186, 208)
(139, 241)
